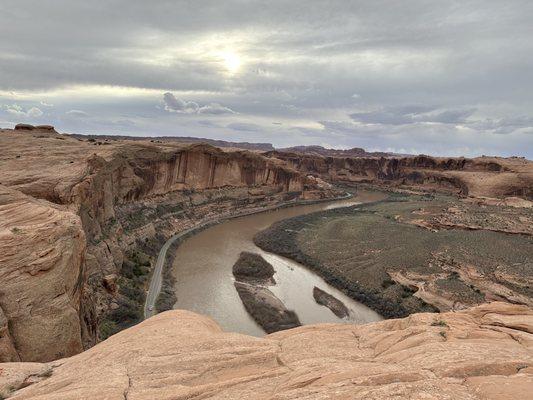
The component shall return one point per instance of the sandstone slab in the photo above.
(484, 352)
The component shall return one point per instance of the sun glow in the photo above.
(232, 62)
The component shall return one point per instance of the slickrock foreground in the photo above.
(483, 353)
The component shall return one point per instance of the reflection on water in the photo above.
(204, 279)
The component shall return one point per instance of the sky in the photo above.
(448, 78)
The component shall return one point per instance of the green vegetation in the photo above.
(356, 248)
(108, 328)
(387, 283)
(167, 297)
(251, 266)
(133, 277)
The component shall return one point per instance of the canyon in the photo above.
(83, 218)
(71, 210)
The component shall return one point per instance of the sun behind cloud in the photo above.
(232, 62)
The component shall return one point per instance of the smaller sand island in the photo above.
(336, 306)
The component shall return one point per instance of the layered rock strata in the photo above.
(484, 176)
(83, 218)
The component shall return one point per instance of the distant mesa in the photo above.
(182, 139)
(28, 127)
(322, 151)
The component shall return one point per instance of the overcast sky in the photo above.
(411, 76)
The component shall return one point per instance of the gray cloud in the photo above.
(17, 111)
(411, 114)
(357, 66)
(173, 104)
(245, 127)
(505, 125)
(215, 109)
(77, 113)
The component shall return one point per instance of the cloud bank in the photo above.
(444, 78)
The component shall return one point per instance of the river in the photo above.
(204, 279)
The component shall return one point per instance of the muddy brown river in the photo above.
(204, 279)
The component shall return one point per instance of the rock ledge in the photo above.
(484, 352)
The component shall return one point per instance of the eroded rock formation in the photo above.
(42, 248)
(484, 176)
(74, 212)
(484, 352)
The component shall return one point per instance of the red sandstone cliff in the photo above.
(71, 208)
(484, 176)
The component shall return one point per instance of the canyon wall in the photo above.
(63, 240)
(42, 250)
(483, 176)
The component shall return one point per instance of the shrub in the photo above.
(108, 328)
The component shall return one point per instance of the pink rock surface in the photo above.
(482, 353)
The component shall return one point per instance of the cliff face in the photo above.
(41, 253)
(137, 172)
(485, 352)
(144, 185)
(62, 240)
(485, 176)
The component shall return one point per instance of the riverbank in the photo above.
(393, 256)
